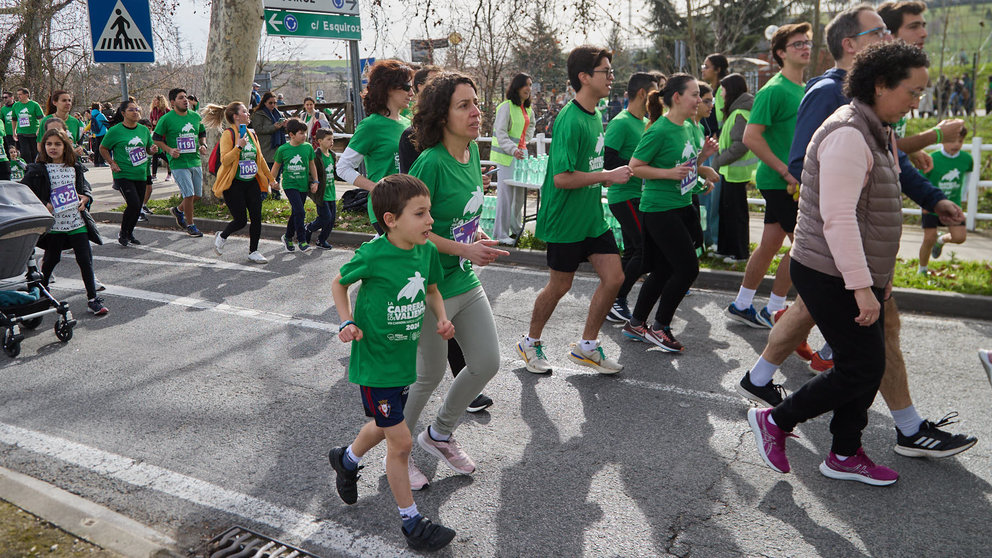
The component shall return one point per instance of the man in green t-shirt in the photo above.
(622, 135)
(183, 138)
(26, 116)
(571, 219)
(7, 113)
(769, 136)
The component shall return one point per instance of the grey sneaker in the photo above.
(593, 359)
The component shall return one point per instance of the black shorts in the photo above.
(385, 405)
(566, 256)
(780, 208)
(932, 221)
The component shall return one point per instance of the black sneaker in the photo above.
(325, 245)
(347, 481)
(769, 396)
(145, 210)
(931, 441)
(288, 242)
(95, 305)
(428, 536)
(134, 241)
(180, 218)
(122, 241)
(308, 232)
(619, 312)
(142, 218)
(479, 404)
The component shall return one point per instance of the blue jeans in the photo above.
(326, 214)
(295, 226)
(711, 202)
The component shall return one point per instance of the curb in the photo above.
(935, 303)
(84, 519)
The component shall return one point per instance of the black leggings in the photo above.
(670, 254)
(733, 235)
(4, 170)
(134, 194)
(160, 156)
(631, 227)
(95, 142)
(244, 195)
(80, 244)
(28, 146)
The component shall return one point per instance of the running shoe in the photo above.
(308, 233)
(858, 468)
(805, 352)
(347, 480)
(931, 441)
(427, 536)
(778, 315)
(593, 359)
(770, 439)
(219, 242)
(193, 231)
(325, 245)
(768, 395)
(122, 241)
(663, 338)
(99, 286)
(534, 359)
(450, 452)
(145, 210)
(134, 241)
(95, 305)
(418, 481)
(937, 249)
(635, 333)
(819, 364)
(619, 312)
(257, 257)
(747, 317)
(986, 358)
(288, 242)
(479, 404)
(765, 317)
(180, 218)
(303, 246)
(142, 218)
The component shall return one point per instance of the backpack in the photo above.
(213, 164)
(355, 200)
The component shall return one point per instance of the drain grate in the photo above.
(238, 542)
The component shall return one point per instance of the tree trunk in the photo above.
(232, 50)
(693, 57)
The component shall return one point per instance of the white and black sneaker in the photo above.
(769, 395)
(479, 404)
(619, 313)
(931, 441)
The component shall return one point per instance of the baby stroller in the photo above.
(23, 299)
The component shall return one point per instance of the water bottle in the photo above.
(702, 216)
(517, 170)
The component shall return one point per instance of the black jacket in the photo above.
(36, 178)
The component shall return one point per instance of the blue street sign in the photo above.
(121, 31)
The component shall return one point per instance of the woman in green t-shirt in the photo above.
(445, 127)
(60, 106)
(126, 147)
(668, 159)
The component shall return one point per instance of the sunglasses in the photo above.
(406, 87)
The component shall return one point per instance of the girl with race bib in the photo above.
(127, 146)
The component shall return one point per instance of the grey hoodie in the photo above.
(737, 148)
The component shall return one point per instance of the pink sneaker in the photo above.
(770, 439)
(418, 481)
(450, 452)
(858, 468)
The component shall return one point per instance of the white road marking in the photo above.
(294, 523)
(213, 261)
(215, 264)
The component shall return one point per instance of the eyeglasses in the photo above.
(917, 93)
(707, 102)
(607, 71)
(879, 32)
(133, 109)
(406, 87)
(800, 45)
(704, 67)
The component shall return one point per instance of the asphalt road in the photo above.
(211, 393)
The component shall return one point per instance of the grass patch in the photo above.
(959, 276)
(22, 534)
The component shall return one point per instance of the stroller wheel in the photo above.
(33, 323)
(63, 330)
(11, 344)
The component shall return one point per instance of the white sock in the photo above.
(530, 341)
(352, 456)
(407, 513)
(744, 298)
(942, 239)
(437, 436)
(589, 346)
(762, 372)
(771, 419)
(841, 457)
(907, 420)
(775, 303)
(922, 269)
(826, 352)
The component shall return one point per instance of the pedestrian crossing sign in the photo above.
(121, 31)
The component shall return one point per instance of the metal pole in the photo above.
(356, 80)
(123, 82)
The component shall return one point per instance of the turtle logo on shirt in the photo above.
(187, 129)
(296, 160)
(596, 161)
(475, 202)
(689, 150)
(136, 141)
(951, 176)
(600, 142)
(414, 285)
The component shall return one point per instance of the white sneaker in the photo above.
(99, 286)
(219, 244)
(506, 241)
(533, 357)
(593, 359)
(418, 481)
(257, 257)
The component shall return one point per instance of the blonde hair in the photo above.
(216, 116)
(163, 103)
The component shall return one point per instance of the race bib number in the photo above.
(186, 144)
(64, 198)
(689, 182)
(23, 121)
(465, 234)
(138, 156)
(247, 169)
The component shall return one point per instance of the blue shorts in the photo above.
(385, 405)
(190, 181)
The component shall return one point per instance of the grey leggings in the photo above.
(475, 330)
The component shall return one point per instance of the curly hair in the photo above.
(884, 64)
(384, 76)
(433, 106)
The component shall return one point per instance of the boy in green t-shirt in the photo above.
(399, 273)
(950, 172)
(299, 176)
(325, 196)
(571, 218)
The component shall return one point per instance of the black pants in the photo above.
(8, 142)
(244, 195)
(629, 216)
(670, 239)
(456, 359)
(4, 170)
(80, 244)
(160, 156)
(733, 238)
(95, 148)
(134, 194)
(28, 146)
(848, 389)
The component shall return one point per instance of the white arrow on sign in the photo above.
(275, 24)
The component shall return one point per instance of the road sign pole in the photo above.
(123, 82)
(356, 80)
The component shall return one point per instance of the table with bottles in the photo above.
(528, 173)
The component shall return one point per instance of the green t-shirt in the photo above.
(181, 132)
(573, 215)
(667, 145)
(248, 160)
(328, 163)
(622, 134)
(389, 310)
(948, 173)
(900, 127)
(26, 117)
(72, 124)
(295, 161)
(718, 102)
(775, 107)
(377, 138)
(8, 119)
(129, 147)
(456, 206)
(3, 150)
